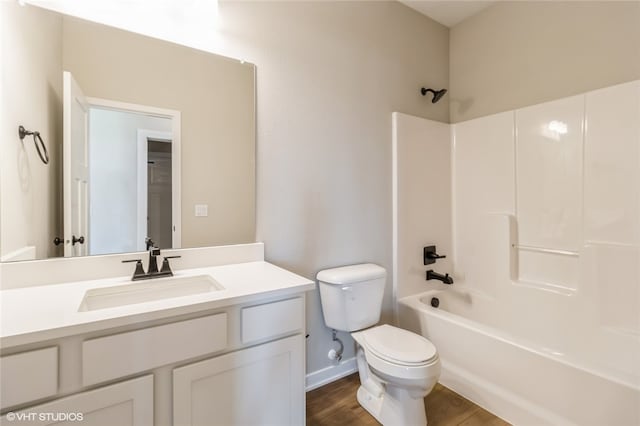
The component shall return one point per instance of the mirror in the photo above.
(146, 139)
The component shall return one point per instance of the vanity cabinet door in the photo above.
(128, 403)
(262, 385)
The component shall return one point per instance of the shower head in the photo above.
(437, 94)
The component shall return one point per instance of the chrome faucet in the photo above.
(152, 271)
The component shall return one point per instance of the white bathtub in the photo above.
(546, 376)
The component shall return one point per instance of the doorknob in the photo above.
(57, 241)
(75, 240)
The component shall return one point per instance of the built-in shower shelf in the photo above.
(545, 286)
(546, 250)
(555, 270)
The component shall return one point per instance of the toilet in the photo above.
(397, 368)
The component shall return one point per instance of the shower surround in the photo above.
(539, 212)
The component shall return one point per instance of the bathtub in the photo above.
(543, 376)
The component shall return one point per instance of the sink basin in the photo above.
(147, 291)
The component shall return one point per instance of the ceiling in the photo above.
(448, 12)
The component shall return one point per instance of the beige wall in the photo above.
(329, 76)
(215, 97)
(521, 53)
(31, 93)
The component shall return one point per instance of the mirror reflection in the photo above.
(128, 146)
(150, 143)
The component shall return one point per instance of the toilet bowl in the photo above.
(397, 368)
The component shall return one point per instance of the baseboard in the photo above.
(331, 373)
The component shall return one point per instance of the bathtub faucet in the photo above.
(431, 275)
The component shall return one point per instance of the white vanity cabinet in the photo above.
(260, 385)
(241, 364)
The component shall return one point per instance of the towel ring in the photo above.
(37, 140)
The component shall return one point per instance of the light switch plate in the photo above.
(202, 210)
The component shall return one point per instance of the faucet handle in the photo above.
(139, 269)
(166, 268)
(429, 255)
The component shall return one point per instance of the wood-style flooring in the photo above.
(336, 405)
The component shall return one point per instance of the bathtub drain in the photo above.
(435, 302)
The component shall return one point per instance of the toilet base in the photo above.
(393, 407)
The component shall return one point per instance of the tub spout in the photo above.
(431, 275)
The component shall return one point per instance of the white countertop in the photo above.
(33, 314)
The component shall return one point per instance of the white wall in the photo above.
(611, 210)
(560, 181)
(113, 178)
(519, 53)
(329, 74)
(567, 173)
(30, 209)
(422, 201)
(546, 231)
(483, 194)
(573, 194)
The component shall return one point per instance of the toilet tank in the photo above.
(351, 296)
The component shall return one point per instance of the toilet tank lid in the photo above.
(351, 274)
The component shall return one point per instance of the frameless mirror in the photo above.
(149, 142)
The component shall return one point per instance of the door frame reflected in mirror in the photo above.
(149, 219)
(175, 117)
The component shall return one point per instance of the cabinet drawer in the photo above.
(28, 376)
(119, 355)
(272, 319)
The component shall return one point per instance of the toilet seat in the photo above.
(412, 358)
(398, 346)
